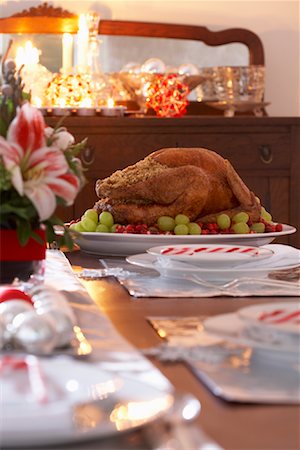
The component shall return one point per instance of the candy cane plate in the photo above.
(212, 254)
(234, 329)
(280, 321)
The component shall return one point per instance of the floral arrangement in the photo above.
(39, 168)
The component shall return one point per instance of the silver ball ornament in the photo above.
(63, 325)
(2, 333)
(188, 69)
(34, 333)
(49, 298)
(153, 65)
(131, 67)
(11, 308)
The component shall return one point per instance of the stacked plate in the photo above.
(271, 328)
(217, 263)
(277, 324)
(62, 400)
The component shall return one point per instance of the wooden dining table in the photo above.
(231, 425)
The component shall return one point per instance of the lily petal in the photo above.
(43, 200)
(66, 187)
(27, 128)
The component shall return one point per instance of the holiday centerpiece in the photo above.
(39, 170)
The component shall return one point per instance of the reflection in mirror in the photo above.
(48, 45)
(117, 51)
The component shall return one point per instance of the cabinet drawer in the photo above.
(107, 153)
(246, 151)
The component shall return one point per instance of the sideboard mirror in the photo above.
(124, 42)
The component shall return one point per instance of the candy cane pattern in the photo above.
(190, 251)
(279, 316)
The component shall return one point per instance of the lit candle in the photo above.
(85, 108)
(82, 42)
(67, 52)
(27, 55)
(112, 110)
(110, 103)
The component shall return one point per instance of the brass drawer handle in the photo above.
(266, 154)
(88, 156)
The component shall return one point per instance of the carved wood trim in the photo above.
(43, 19)
(193, 32)
(44, 10)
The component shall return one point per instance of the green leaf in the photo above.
(3, 128)
(50, 233)
(68, 240)
(24, 232)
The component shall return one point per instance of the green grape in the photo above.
(240, 217)
(223, 221)
(181, 229)
(106, 218)
(240, 228)
(101, 228)
(194, 228)
(181, 219)
(166, 223)
(258, 200)
(265, 215)
(78, 227)
(258, 227)
(114, 227)
(73, 226)
(88, 224)
(91, 214)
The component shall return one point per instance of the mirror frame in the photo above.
(46, 19)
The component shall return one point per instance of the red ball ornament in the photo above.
(167, 95)
(8, 293)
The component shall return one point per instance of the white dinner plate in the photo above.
(179, 269)
(232, 328)
(115, 244)
(82, 402)
(276, 322)
(216, 255)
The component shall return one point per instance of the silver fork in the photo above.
(228, 288)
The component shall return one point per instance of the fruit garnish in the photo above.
(179, 225)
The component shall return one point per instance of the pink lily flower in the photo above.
(27, 128)
(41, 173)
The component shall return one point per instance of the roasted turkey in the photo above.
(193, 181)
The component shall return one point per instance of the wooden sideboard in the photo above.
(265, 151)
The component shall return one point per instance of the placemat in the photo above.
(232, 372)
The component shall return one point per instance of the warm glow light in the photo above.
(67, 52)
(136, 413)
(84, 347)
(162, 333)
(69, 91)
(86, 103)
(83, 41)
(36, 101)
(28, 55)
(110, 103)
